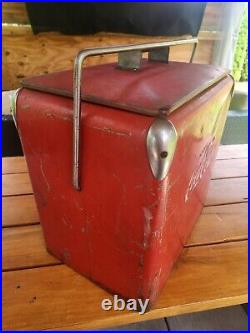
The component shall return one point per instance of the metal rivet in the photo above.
(164, 154)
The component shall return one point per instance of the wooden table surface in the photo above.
(41, 293)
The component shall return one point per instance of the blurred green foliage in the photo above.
(240, 63)
(244, 74)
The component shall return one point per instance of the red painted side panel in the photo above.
(125, 229)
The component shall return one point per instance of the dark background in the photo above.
(157, 18)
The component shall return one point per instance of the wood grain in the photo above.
(14, 12)
(24, 247)
(216, 225)
(19, 210)
(226, 191)
(56, 297)
(232, 152)
(213, 16)
(16, 164)
(26, 55)
(22, 50)
(200, 280)
(221, 191)
(15, 184)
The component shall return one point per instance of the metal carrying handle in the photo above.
(82, 55)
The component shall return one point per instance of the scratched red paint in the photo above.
(125, 229)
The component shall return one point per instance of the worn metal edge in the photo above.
(131, 108)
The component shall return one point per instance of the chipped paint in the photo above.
(147, 226)
(112, 131)
(44, 176)
(52, 116)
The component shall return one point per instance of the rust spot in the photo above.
(7, 53)
(44, 176)
(20, 76)
(20, 63)
(18, 286)
(54, 117)
(32, 300)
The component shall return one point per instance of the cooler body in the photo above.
(125, 228)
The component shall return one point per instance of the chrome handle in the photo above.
(82, 55)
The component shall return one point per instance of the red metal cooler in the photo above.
(120, 159)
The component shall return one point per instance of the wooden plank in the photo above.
(56, 297)
(24, 247)
(219, 224)
(22, 51)
(14, 12)
(19, 210)
(25, 211)
(226, 191)
(216, 225)
(230, 168)
(16, 184)
(227, 319)
(16, 164)
(221, 191)
(232, 151)
(213, 16)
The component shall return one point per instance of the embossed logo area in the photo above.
(205, 158)
(120, 304)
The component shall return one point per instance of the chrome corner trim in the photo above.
(79, 60)
(161, 144)
(13, 101)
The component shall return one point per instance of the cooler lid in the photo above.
(155, 87)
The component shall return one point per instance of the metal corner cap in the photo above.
(13, 102)
(161, 144)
